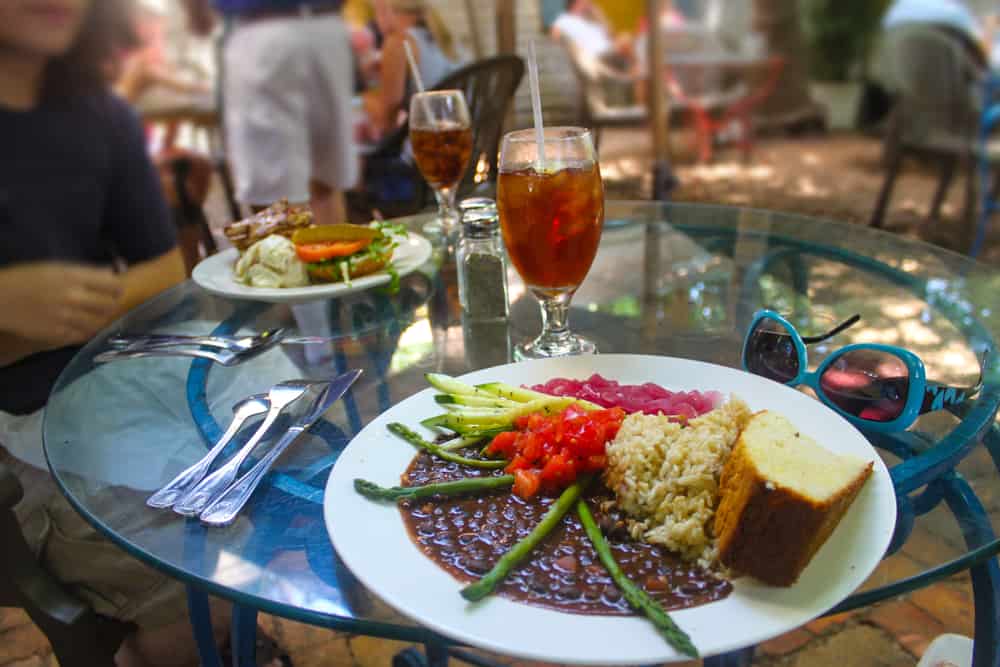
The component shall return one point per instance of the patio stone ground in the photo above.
(834, 176)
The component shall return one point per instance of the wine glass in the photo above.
(551, 217)
(441, 137)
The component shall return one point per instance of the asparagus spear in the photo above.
(414, 439)
(635, 596)
(457, 487)
(555, 513)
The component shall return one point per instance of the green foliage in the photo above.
(840, 34)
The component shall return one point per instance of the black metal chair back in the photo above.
(489, 86)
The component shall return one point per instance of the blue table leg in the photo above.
(201, 626)
(741, 658)
(437, 654)
(244, 636)
(977, 529)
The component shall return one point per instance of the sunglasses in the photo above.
(877, 387)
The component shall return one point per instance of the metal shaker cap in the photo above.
(473, 203)
(479, 223)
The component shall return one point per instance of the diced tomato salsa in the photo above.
(549, 452)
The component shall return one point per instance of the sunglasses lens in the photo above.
(770, 351)
(868, 384)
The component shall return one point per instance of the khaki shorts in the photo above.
(92, 567)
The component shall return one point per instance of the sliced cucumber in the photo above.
(475, 401)
(464, 420)
(475, 413)
(449, 385)
(522, 395)
(508, 391)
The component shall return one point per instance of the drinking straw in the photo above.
(413, 66)
(536, 106)
(416, 79)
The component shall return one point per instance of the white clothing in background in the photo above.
(287, 98)
(589, 36)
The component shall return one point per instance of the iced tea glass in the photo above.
(551, 216)
(441, 137)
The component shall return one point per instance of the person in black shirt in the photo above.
(86, 237)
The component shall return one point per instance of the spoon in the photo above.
(180, 485)
(201, 495)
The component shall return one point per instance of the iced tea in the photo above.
(442, 153)
(551, 223)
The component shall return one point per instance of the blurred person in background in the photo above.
(78, 196)
(144, 68)
(288, 78)
(584, 26)
(434, 49)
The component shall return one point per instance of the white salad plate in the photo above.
(372, 540)
(215, 274)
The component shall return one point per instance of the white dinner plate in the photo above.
(215, 274)
(372, 540)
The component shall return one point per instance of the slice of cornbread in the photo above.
(781, 496)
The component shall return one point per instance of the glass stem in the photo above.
(555, 315)
(446, 207)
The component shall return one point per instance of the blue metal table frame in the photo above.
(923, 479)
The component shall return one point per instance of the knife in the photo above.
(223, 510)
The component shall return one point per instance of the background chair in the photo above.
(990, 191)
(936, 83)
(604, 93)
(79, 637)
(185, 177)
(394, 186)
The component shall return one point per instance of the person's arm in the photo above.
(145, 280)
(137, 221)
(14, 348)
(393, 81)
(60, 304)
(55, 304)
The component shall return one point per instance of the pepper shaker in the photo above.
(482, 270)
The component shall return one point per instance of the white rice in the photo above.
(666, 477)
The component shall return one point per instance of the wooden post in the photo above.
(506, 26)
(473, 19)
(506, 18)
(656, 98)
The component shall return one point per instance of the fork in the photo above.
(224, 507)
(231, 343)
(223, 357)
(280, 396)
(185, 481)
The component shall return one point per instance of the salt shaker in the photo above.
(482, 271)
(476, 203)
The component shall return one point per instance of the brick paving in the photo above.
(785, 175)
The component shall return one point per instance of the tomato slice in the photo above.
(317, 252)
(526, 483)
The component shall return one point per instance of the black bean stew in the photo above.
(467, 535)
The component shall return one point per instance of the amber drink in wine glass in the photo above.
(441, 137)
(551, 216)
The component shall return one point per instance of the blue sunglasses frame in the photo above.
(923, 395)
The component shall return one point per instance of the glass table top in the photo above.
(677, 280)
